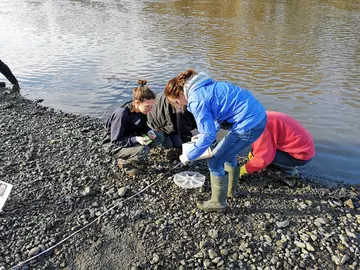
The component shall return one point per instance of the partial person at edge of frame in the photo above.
(236, 110)
(176, 125)
(128, 138)
(6, 71)
(284, 145)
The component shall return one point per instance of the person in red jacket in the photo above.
(284, 144)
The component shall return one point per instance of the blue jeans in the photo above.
(230, 146)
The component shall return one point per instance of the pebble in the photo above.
(299, 244)
(320, 221)
(212, 254)
(33, 251)
(121, 191)
(309, 247)
(213, 233)
(283, 224)
(349, 203)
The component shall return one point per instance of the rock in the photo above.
(267, 238)
(224, 252)
(309, 247)
(216, 260)
(335, 259)
(121, 191)
(88, 191)
(155, 259)
(320, 221)
(247, 204)
(358, 218)
(281, 244)
(203, 244)
(303, 205)
(299, 244)
(213, 233)
(212, 254)
(32, 252)
(207, 263)
(350, 234)
(349, 203)
(344, 259)
(282, 224)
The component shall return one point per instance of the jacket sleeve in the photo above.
(144, 128)
(185, 124)
(117, 131)
(264, 150)
(206, 127)
(161, 116)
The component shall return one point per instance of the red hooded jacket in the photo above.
(281, 133)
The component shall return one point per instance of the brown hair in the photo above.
(142, 92)
(176, 85)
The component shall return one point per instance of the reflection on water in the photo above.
(298, 57)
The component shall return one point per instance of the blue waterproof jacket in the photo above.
(220, 102)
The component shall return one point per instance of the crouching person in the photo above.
(285, 144)
(175, 124)
(128, 138)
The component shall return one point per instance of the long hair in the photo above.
(175, 86)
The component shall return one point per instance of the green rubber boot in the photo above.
(290, 175)
(288, 170)
(234, 173)
(219, 187)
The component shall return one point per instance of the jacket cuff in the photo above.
(133, 140)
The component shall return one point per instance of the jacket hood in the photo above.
(195, 82)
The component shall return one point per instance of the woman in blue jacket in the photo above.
(235, 110)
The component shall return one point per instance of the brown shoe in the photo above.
(132, 171)
(121, 163)
(127, 167)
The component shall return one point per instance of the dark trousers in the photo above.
(5, 70)
(137, 152)
(172, 141)
(286, 159)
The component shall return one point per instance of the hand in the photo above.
(194, 138)
(143, 140)
(184, 160)
(151, 134)
(243, 170)
(250, 155)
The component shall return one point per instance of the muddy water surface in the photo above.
(297, 57)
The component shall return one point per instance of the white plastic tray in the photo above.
(5, 189)
(189, 179)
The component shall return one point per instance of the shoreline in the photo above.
(63, 180)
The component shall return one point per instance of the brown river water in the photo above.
(297, 57)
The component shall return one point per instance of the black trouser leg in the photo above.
(5, 70)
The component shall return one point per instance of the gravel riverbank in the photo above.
(63, 180)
